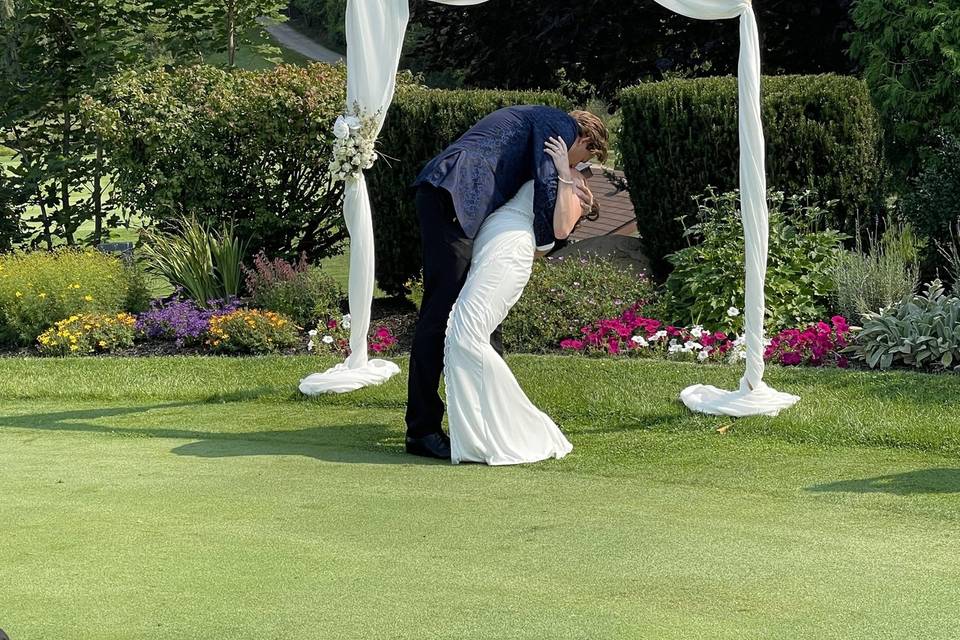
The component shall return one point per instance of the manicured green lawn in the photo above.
(203, 498)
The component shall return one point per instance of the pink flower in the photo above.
(331, 324)
(574, 345)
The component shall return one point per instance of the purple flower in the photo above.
(182, 321)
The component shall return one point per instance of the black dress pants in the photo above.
(447, 253)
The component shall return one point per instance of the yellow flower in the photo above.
(103, 344)
(41, 295)
(88, 298)
(74, 347)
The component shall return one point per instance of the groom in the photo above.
(456, 191)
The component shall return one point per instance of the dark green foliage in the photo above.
(910, 55)
(708, 276)
(11, 215)
(326, 17)
(566, 294)
(518, 44)
(679, 136)
(933, 206)
(420, 124)
(238, 147)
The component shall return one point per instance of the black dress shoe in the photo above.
(434, 445)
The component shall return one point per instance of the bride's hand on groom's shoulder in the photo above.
(556, 148)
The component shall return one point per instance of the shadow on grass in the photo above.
(354, 443)
(343, 444)
(922, 481)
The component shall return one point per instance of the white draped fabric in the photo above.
(375, 31)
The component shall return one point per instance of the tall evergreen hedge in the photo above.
(420, 124)
(680, 136)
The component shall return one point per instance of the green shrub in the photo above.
(420, 124)
(566, 294)
(922, 332)
(910, 60)
(248, 148)
(40, 288)
(867, 281)
(933, 205)
(84, 334)
(203, 262)
(679, 136)
(300, 291)
(708, 276)
(251, 332)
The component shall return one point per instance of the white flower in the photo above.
(733, 312)
(341, 129)
(310, 346)
(345, 321)
(353, 122)
(690, 345)
(697, 332)
(674, 348)
(312, 333)
(660, 334)
(640, 341)
(703, 355)
(327, 339)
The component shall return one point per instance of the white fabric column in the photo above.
(753, 397)
(375, 33)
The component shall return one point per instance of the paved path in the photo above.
(290, 38)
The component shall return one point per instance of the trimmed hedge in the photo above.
(681, 136)
(420, 124)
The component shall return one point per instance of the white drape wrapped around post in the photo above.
(753, 397)
(375, 33)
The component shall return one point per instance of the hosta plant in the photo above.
(921, 332)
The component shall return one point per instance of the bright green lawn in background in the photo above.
(203, 498)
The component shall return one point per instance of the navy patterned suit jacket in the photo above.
(487, 166)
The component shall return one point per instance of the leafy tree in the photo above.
(521, 44)
(55, 52)
(910, 54)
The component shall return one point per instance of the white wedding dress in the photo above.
(491, 419)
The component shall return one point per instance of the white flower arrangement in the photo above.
(354, 146)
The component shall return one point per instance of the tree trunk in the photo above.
(65, 176)
(98, 196)
(231, 34)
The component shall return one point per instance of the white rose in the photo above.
(733, 312)
(328, 339)
(341, 129)
(353, 122)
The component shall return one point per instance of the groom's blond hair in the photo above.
(591, 127)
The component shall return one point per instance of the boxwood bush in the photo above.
(420, 124)
(679, 136)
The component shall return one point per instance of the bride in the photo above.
(491, 419)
